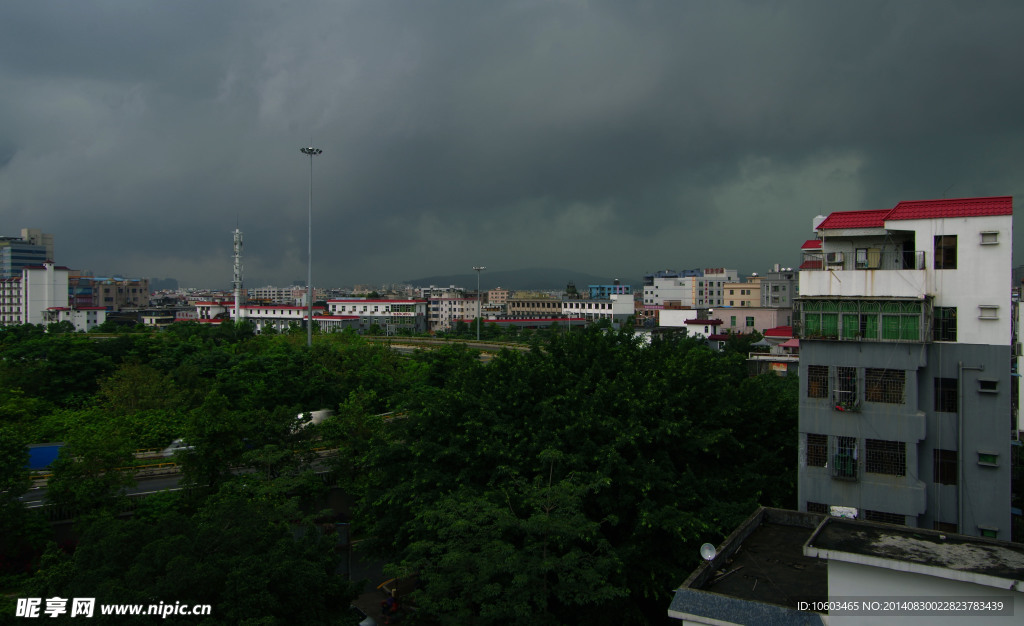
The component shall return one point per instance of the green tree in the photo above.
(663, 427)
(249, 555)
(94, 467)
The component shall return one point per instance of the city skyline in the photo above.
(606, 138)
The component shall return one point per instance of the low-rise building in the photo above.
(391, 316)
(789, 567)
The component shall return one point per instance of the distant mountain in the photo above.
(541, 279)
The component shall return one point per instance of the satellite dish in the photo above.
(708, 552)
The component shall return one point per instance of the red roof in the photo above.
(855, 219)
(779, 331)
(718, 337)
(811, 264)
(959, 207)
(920, 210)
(704, 322)
(811, 244)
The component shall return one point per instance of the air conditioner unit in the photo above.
(833, 258)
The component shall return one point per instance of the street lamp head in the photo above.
(311, 151)
(479, 269)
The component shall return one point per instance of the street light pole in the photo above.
(479, 312)
(312, 152)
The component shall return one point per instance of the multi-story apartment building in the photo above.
(743, 294)
(117, 293)
(603, 292)
(905, 344)
(697, 289)
(779, 287)
(497, 296)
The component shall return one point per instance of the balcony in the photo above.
(854, 319)
(869, 272)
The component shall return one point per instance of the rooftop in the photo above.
(919, 210)
(944, 555)
(758, 575)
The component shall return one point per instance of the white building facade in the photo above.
(696, 292)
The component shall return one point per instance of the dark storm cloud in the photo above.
(611, 137)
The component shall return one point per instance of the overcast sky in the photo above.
(615, 138)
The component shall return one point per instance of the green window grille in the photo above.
(851, 326)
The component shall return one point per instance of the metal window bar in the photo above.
(864, 320)
(817, 450)
(844, 390)
(885, 457)
(843, 458)
(884, 517)
(884, 385)
(817, 381)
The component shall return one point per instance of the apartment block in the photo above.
(904, 321)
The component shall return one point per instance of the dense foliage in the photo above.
(572, 483)
(565, 483)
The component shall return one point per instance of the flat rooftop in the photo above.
(758, 575)
(945, 555)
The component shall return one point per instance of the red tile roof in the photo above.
(811, 244)
(920, 210)
(811, 264)
(704, 322)
(779, 331)
(958, 207)
(855, 219)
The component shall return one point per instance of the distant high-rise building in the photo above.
(31, 249)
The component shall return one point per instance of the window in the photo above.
(750, 322)
(732, 320)
(883, 385)
(817, 507)
(944, 467)
(885, 518)
(817, 450)
(844, 393)
(817, 381)
(989, 237)
(946, 395)
(988, 386)
(844, 458)
(945, 252)
(885, 457)
(945, 324)
(988, 458)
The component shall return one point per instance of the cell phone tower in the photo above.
(237, 282)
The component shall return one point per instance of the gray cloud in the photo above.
(615, 138)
